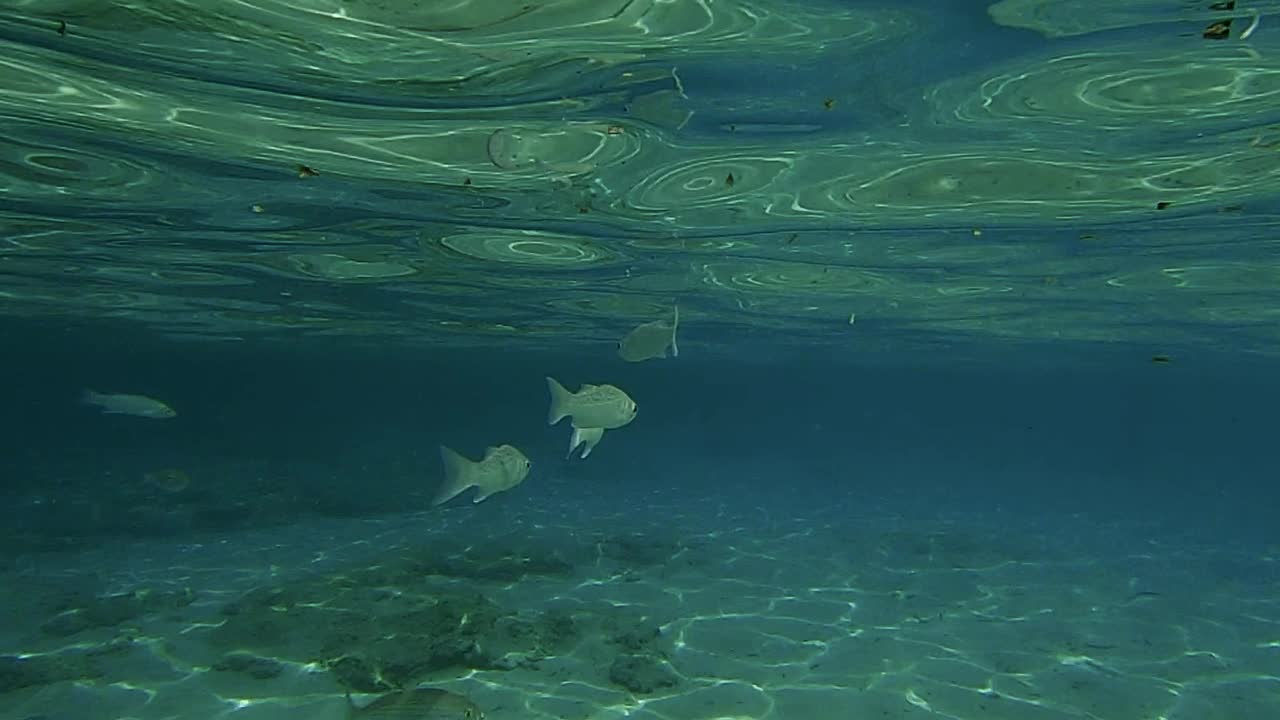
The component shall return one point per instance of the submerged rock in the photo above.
(642, 674)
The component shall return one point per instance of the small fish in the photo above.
(587, 438)
(170, 480)
(502, 468)
(416, 704)
(122, 404)
(593, 406)
(651, 340)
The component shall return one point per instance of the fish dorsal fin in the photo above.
(586, 387)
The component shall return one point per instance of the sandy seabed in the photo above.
(687, 611)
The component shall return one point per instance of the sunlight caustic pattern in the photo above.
(839, 617)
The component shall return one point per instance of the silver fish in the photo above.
(416, 704)
(125, 404)
(502, 468)
(651, 340)
(593, 406)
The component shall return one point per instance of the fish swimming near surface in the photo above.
(124, 404)
(593, 406)
(587, 438)
(651, 340)
(416, 704)
(502, 468)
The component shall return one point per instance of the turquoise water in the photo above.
(971, 417)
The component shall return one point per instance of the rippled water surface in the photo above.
(879, 176)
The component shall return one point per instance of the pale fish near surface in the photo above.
(502, 468)
(416, 704)
(125, 404)
(593, 406)
(587, 438)
(651, 340)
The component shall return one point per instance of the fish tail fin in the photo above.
(458, 476)
(560, 398)
(675, 325)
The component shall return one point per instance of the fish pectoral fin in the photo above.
(579, 439)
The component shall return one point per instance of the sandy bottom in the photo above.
(688, 610)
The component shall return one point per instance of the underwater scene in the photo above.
(640, 359)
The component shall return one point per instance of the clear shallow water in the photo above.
(972, 415)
